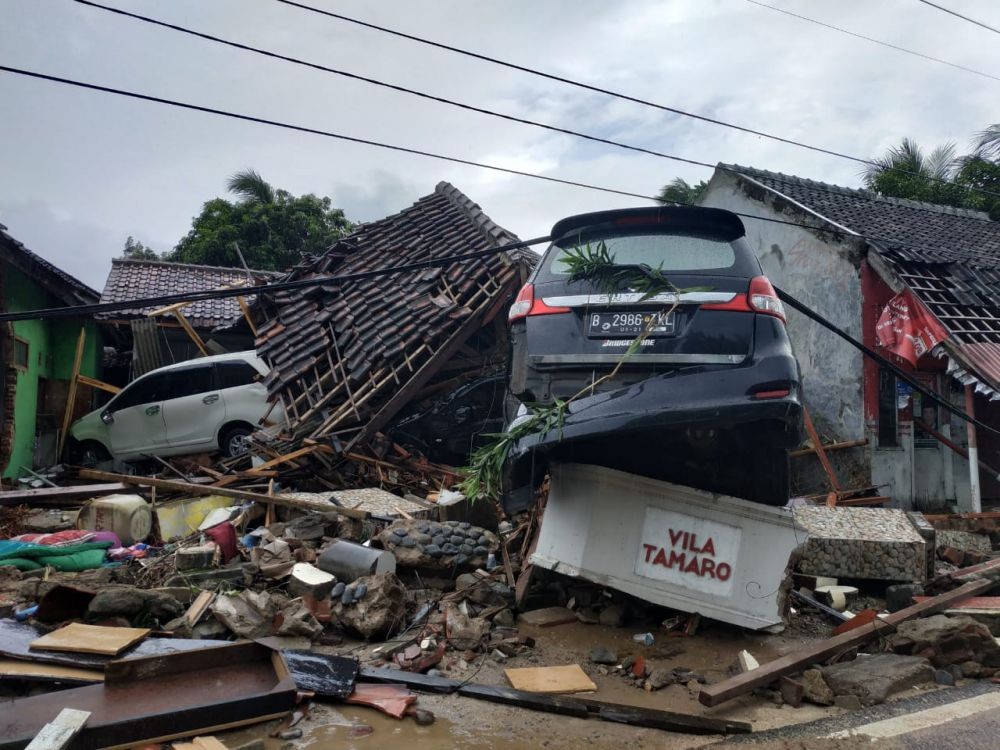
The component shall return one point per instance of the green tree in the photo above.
(135, 250)
(906, 171)
(272, 227)
(681, 191)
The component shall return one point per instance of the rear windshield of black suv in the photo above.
(687, 254)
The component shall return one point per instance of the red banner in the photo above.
(907, 328)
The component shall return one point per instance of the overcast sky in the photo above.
(80, 171)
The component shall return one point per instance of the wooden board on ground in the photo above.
(569, 678)
(14, 669)
(59, 733)
(188, 488)
(200, 743)
(720, 692)
(548, 617)
(60, 496)
(90, 639)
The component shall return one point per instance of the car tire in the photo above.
(232, 440)
(90, 453)
(769, 469)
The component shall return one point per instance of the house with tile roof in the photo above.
(160, 339)
(920, 283)
(348, 357)
(38, 356)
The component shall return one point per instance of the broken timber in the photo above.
(560, 704)
(60, 495)
(713, 695)
(203, 489)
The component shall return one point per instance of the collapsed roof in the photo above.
(346, 358)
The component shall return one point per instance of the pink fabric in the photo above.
(224, 535)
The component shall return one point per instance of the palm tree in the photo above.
(681, 191)
(987, 143)
(251, 187)
(908, 160)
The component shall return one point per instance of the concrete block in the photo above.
(308, 579)
(867, 543)
(195, 558)
(873, 678)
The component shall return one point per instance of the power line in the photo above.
(874, 41)
(890, 242)
(571, 82)
(315, 131)
(395, 87)
(470, 107)
(959, 15)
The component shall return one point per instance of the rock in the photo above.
(848, 702)
(900, 596)
(874, 678)
(660, 678)
(588, 616)
(440, 547)
(504, 618)
(134, 605)
(360, 591)
(747, 661)
(792, 691)
(613, 615)
(382, 611)
(464, 632)
(944, 677)
(297, 620)
(308, 579)
(248, 614)
(423, 717)
(347, 597)
(180, 627)
(601, 655)
(971, 669)
(815, 690)
(337, 590)
(290, 734)
(195, 557)
(947, 639)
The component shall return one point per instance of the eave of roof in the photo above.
(53, 279)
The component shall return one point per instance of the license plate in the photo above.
(631, 323)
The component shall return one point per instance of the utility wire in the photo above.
(874, 41)
(473, 108)
(314, 131)
(880, 360)
(636, 100)
(959, 15)
(889, 241)
(570, 82)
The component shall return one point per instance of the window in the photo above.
(20, 353)
(927, 412)
(888, 410)
(191, 381)
(233, 374)
(150, 389)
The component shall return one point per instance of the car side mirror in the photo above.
(107, 417)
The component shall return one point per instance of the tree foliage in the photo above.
(135, 250)
(681, 191)
(906, 171)
(272, 227)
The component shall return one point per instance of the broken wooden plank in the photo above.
(820, 452)
(61, 495)
(71, 395)
(415, 680)
(198, 489)
(16, 669)
(200, 743)
(829, 447)
(670, 721)
(555, 704)
(90, 639)
(99, 384)
(59, 733)
(199, 606)
(567, 678)
(713, 695)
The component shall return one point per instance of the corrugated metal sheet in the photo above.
(148, 348)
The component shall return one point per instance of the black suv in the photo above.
(711, 397)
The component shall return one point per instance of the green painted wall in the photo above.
(51, 346)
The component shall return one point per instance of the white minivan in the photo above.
(206, 404)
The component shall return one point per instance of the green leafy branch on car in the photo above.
(594, 263)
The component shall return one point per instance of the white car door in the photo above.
(137, 417)
(195, 410)
(243, 391)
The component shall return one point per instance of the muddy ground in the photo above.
(467, 723)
